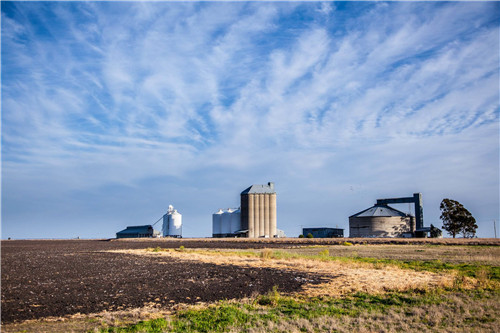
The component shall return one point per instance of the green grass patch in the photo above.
(154, 325)
(214, 318)
(273, 307)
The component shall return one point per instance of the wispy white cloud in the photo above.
(323, 94)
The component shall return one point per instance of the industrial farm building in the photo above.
(172, 227)
(255, 218)
(258, 211)
(172, 223)
(227, 223)
(381, 221)
(138, 231)
(323, 232)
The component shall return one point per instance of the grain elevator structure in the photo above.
(255, 218)
(258, 211)
(382, 220)
(227, 223)
(172, 223)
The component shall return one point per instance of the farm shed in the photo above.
(381, 221)
(323, 232)
(138, 231)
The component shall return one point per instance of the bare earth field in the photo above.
(47, 284)
(58, 278)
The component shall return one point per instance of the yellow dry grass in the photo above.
(487, 255)
(342, 277)
(86, 322)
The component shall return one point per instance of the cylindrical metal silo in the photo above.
(175, 224)
(380, 221)
(216, 223)
(172, 223)
(235, 221)
(164, 228)
(226, 222)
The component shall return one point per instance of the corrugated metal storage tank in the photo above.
(235, 221)
(258, 211)
(172, 223)
(380, 221)
(216, 223)
(226, 222)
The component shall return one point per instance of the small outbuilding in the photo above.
(139, 231)
(323, 232)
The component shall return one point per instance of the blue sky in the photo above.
(113, 111)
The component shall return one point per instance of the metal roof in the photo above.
(380, 210)
(136, 229)
(269, 188)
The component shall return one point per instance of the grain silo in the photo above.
(235, 221)
(172, 223)
(381, 220)
(258, 211)
(226, 223)
(216, 223)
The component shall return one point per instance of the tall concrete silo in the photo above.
(172, 223)
(258, 211)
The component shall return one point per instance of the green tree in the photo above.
(457, 219)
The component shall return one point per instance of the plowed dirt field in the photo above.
(52, 278)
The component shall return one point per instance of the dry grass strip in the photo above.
(344, 277)
(86, 322)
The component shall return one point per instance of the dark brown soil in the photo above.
(64, 277)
